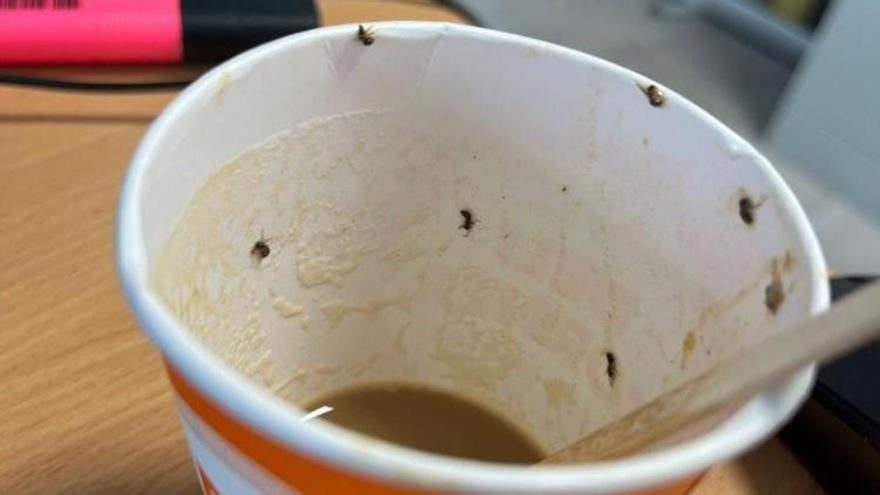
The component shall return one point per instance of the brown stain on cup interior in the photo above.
(687, 348)
(774, 296)
(774, 292)
(709, 315)
(430, 420)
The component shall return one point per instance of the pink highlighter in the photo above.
(142, 31)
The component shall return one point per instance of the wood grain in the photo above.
(768, 470)
(86, 408)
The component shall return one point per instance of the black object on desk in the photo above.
(837, 433)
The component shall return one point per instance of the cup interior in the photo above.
(516, 223)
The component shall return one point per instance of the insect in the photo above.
(467, 221)
(611, 367)
(656, 96)
(261, 250)
(774, 294)
(747, 210)
(365, 35)
(748, 206)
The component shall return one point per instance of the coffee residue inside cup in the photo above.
(430, 420)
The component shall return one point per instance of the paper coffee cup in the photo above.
(541, 231)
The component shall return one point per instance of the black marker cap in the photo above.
(218, 29)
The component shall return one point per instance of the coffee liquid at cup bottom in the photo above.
(428, 420)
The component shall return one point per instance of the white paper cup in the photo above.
(607, 227)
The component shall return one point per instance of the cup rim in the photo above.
(339, 447)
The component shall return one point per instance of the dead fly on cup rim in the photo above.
(366, 35)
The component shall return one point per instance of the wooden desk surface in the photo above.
(84, 404)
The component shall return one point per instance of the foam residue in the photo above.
(362, 217)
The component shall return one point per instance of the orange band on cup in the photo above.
(305, 475)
